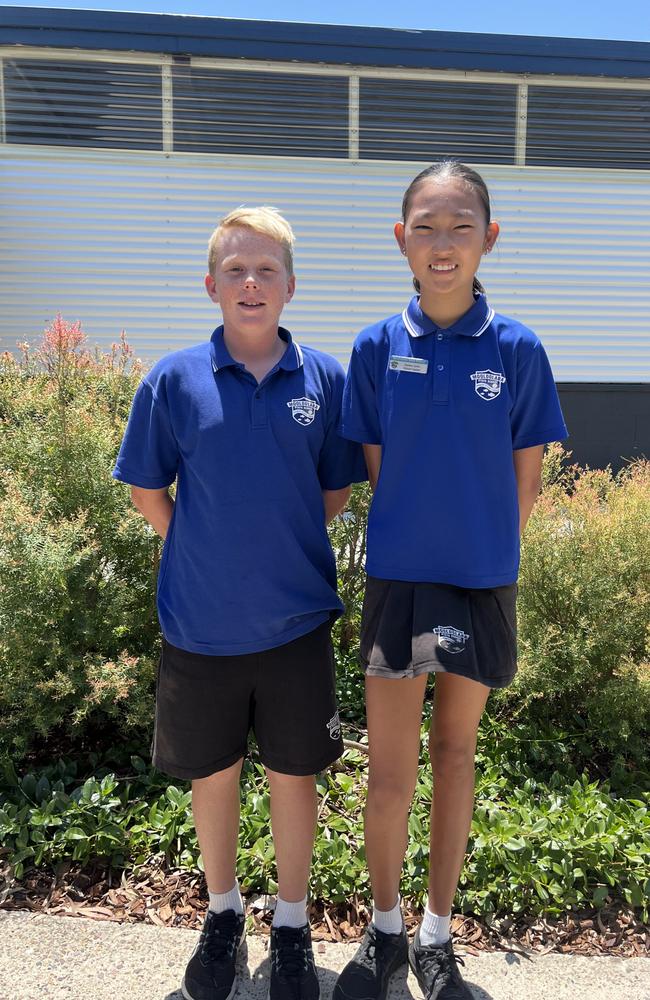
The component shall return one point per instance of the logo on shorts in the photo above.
(303, 410)
(450, 638)
(487, 384)
(334, 727)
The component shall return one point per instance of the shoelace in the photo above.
(372, 951)
(290, 954)
(220, 936)
(443, 965)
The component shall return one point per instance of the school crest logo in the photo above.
(450, 638)
(487, 384)
(334, 727)
(303, 410)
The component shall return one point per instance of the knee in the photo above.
(450, 759)
(389, 794)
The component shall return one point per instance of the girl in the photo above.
(453, 404)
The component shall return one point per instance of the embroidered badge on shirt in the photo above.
(488, 383)
(303, 410)
(398, 364)
(450, 638)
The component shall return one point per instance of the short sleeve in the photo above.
(148, 456)
(536, 417)
(359, 415)
(341, 462)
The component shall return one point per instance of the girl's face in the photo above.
(444, 236)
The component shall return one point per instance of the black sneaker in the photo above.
(436, 970)
(367, 976)
(293, 972)
(210, 973)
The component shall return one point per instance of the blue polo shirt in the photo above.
(247, 564)
(448, 407)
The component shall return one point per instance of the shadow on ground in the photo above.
(254, 985)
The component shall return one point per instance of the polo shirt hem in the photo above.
(361, 437)
(407, 575)
(144, 482)
(542, 437)
(344, 485)
(307, 624)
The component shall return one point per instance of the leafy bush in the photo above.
(535, 846)
(78, 633)
(78, 565)
(584, 607)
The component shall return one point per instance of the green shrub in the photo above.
(536, 846)
(78, 631)
(78, 565)
(584, 607)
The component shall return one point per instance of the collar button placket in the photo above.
(259, 416)
(441, 369)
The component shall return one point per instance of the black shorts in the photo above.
(206, 706)
(409, 629)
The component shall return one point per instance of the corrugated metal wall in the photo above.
(115, 169)
(117, 240)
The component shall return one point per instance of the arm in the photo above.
(156, 506)
(335, 501)
(528, 471)
(372, 454)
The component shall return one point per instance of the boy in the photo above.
(247, 427)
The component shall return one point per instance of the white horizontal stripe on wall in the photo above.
(117, 240)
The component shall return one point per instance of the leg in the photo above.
(394, 712)
(293, 821)
(211, 971)
(215, 805)
(457, 709)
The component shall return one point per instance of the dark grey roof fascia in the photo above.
(321, 43)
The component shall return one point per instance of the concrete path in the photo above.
(73, 958)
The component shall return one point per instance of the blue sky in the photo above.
(625, 19)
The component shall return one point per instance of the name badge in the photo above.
(418, 365)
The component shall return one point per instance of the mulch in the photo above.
(179, 899)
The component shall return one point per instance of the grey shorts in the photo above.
(409, 629)
(207, 705)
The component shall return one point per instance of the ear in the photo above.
(291, 287)
(398, 230)
(491, 236)
(211, 288)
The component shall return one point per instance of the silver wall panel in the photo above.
(117, 240)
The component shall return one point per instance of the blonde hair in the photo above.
(263, 219)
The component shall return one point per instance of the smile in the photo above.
(443, 267)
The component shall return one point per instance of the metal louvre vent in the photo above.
(197, 108)
(271, 114)
(584, 127)
(430, 120)
(69, 103)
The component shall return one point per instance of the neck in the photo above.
(254, 346)
(444, 310)
(258, 352)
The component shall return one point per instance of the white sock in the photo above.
(221, 901)
(388, 921)
(290, 914)
(434, 929)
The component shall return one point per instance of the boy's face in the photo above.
(250, 283)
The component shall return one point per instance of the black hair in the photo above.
(443, 170)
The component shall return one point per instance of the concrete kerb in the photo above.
(73, 958)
